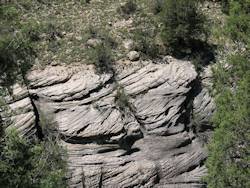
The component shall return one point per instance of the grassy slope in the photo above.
(63, 27)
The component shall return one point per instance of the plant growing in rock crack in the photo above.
(47, 124)
(122, 101)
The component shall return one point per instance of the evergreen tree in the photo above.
(228, 161)
(238, 23)
(183, 23)
(30, 165)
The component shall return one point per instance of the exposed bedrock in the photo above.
(146, 141)
(20, 112)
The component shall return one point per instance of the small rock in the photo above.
(133, 56)
(54, 63)
(93, 42)
(168, 59)
(110, 23)
(78, 38)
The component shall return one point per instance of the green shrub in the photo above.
(30, 164)
(238, 22)
(16, 58)
(128, 8)
(228, 158)
(122, 101)
(101, 56)
(239, 66)
(225, 5)
(156, 6)
(146, 44)
(8, 12)
(183, 22)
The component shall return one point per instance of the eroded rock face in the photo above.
(147, 143)
(20, 113)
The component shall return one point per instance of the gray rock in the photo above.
(143, 144)
(133, 56)
(21, 112)
(93, 42)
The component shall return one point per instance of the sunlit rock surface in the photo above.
(146, 141)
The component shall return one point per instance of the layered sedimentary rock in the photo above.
(20, 112)
(140, 138)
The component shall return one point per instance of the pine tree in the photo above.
(183, 23)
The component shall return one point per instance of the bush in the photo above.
(228, 160)
(146, 44)
(183, 22)
(16, 57)
(35, 165)
(122, 100)
(157, 6)
(225, 5)
(128, 8)
(101, 56)
(238, 22)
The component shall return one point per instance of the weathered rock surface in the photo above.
(20, 113)
(204, 105)
(147, 143)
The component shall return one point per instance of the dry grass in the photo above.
(64, 27)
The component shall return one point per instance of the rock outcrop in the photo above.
(20, 112)
(142, 138)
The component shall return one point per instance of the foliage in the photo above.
(237, 66)
(238, 23)
(101, 56)
(18, 40)
(16, 56)
(24, 164)
(146, 43)
(229, 150)
(227, 163)
(225, 5)
(16, 51)
(183, 23)
(122, 100)
(128, 8)
(156, 6)
(101, 53)
(228, 160)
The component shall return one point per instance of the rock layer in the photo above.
(141, 138)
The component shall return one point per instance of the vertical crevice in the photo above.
(196, 88)
(100, 181)
(39, 131)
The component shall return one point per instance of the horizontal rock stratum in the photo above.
(132, 129)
